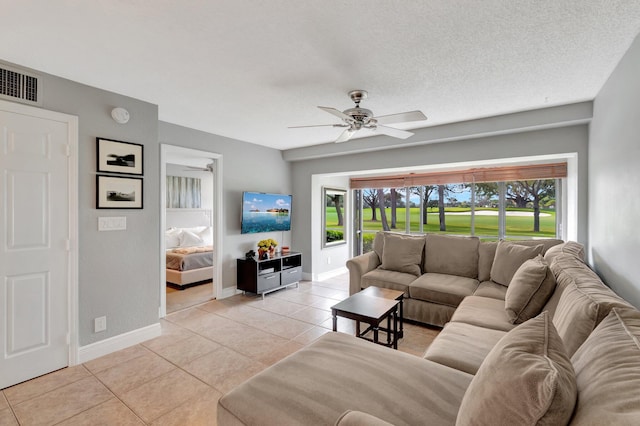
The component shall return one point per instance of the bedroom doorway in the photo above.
(190, 204)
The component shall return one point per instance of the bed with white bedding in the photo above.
(189, 256)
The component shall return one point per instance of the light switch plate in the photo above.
(112, 223)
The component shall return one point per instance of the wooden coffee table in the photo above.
(387, 293)
(372, 310)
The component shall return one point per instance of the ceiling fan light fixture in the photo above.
(358, 118)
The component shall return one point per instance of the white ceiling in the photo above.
(248, 69)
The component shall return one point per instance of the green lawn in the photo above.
(520, 226)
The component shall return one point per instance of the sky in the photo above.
(263, 202)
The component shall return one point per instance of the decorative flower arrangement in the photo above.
(267, 244)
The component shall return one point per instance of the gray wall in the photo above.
(614, 179)
(570, 139)
(118, 270)
(245, 167)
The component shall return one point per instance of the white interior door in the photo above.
(34, 246)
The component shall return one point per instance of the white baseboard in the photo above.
(330, 274)
(116, 343)
(229, 291)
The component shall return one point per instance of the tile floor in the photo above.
(203, 352)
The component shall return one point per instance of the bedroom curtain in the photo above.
(183, 192)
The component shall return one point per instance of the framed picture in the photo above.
(114, 192)
(119, 157)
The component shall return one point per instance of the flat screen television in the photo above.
(263, 212)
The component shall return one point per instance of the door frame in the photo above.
(72, 175)
(217, 221)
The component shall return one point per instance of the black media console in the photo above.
(267, 275)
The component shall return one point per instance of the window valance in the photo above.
(486, 174)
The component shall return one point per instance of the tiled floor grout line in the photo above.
(103, 402)
(195, 332)
(221, 379)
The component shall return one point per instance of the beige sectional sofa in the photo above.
(556, 346)
(436, 272)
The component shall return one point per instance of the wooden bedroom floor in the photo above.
(203, 352)
(191, 296)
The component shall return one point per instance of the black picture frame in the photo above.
(118, 192)
(119, 157)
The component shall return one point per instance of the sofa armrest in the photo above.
(358, 266)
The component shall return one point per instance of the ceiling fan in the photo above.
(207, 168)
(358, 118)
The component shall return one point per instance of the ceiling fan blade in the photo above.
(390, 131)
(318, 125)
(337, 113)
(403, 117)
(346, 135)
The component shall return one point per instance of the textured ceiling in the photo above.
(248, 69)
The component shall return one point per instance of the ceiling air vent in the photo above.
(20, 86)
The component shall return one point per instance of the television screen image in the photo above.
(265, 212)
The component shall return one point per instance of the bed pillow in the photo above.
(172, 238)
(195, 229)
(530, 288)
(189, 239)
(207, 236)
(509, 257)
(527, 379)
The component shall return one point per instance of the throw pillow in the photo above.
(402, 253)
(486, 254)
(527, 379)
(509, 257)
(451, 255)
(530, 288)
(608, 371)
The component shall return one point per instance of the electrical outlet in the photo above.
(99, 324)
(328, 261)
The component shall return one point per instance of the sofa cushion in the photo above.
(339, 372)
(427, 312)
(483, 312)
(403, 253)
(527, 379)
(447, 254)
(378, 244)
(509, 257)
(486, 254)
(388, 279)
(570, 247)
(463, 346)
(442, 288)
(529, 290)
(608, 371)
(358, 418)
(580, 302)
(491, 289)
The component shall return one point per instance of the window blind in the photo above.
(486, 174)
